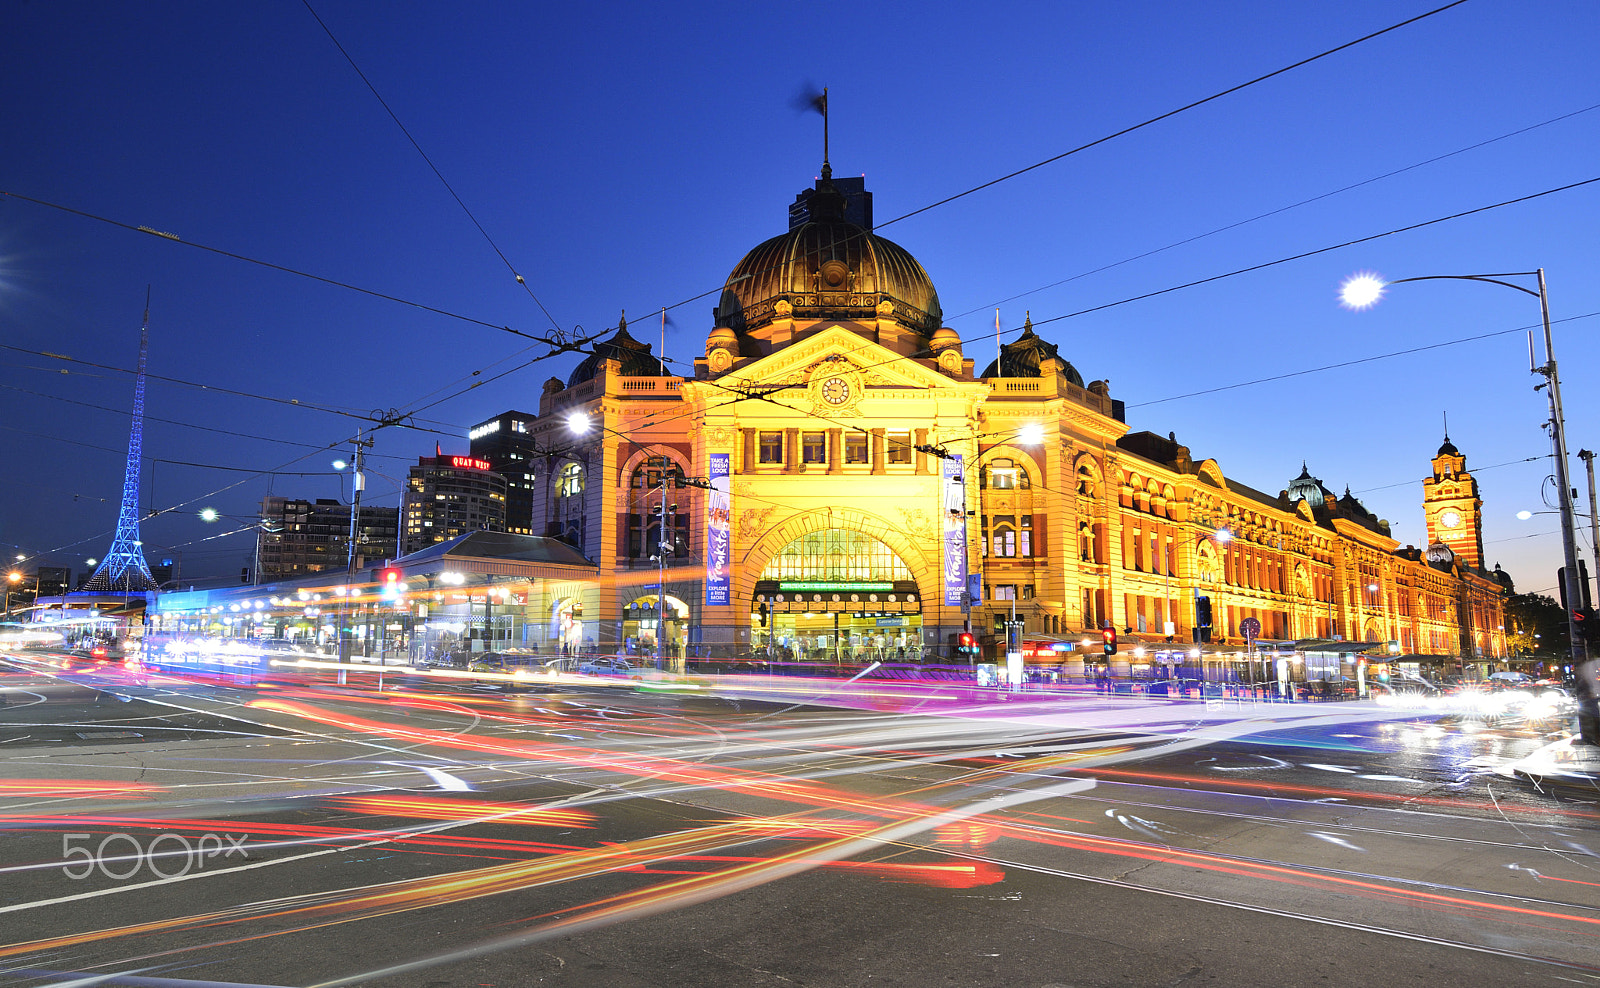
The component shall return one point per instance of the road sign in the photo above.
(1250, 628)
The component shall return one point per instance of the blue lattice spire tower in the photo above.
(123, 570)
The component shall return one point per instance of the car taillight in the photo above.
(99, 653)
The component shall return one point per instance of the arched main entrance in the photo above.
(836, 595)
(644, 630)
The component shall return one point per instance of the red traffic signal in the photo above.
(1109, 637)
(966, 644)
(1585, 621)
(389, 579)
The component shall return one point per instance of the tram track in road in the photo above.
(988, 794)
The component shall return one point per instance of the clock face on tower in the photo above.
(1450, 518)
(836, 391)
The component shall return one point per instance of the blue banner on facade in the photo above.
(955, 532)
(719, 537)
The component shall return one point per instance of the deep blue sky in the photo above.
(626, 155)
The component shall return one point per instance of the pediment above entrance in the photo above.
(838, 354)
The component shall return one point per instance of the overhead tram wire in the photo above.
(176, 422)
(62, 440)
(573, 345)
(292, 402)
(1321, 250)
(561, 345)
(438, 174)
(1173, 113)
(1130, 129)
(1355, 361)
(1274, 212)
(931, 352)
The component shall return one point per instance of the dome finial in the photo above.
(622, 322)
(1027, 321)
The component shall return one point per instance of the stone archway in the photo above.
(760, 552)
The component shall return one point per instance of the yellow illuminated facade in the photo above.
(839, 401)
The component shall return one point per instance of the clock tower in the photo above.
(1453, 508)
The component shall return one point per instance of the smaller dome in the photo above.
(1024, 356)
(722, 338)
(1449, 448)
(1308, 488)
(944, 339)
(635, 358)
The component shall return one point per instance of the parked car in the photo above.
(607, 665)
(488, 662)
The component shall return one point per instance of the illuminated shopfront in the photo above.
(837, 596)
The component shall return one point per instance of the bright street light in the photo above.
(1031, 434)
(208, 514)
(339, 464)
(578, 422)
(1362, 290)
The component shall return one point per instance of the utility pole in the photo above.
(1587, 456)
(1583, 666)
(663, 543)
(357, 483)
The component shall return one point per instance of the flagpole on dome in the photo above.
(822, 107)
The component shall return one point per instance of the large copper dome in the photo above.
(828, 268)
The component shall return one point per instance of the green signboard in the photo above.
(849, 587)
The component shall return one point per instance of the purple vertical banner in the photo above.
(955, 532)
(719, 537)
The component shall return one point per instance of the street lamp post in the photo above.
(1364, 290)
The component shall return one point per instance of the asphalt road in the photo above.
(741, 832)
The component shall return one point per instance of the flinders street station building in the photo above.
(840, 478)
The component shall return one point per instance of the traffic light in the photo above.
(1584, 620)
(1583, 584)
(761, 612)
(966, 645)
(1202, 618)
(389, 581)
(1109, 637)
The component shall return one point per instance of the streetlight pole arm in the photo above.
(1493, 279)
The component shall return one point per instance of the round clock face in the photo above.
(1450, 519)
(836, 391)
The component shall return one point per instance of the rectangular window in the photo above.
(771, 447)
(1004, 537)
(1005, 591)
(1002, 475)
(1025, 536)
(814, 447)
(855, 447)
(1027, 591)
(898, 447)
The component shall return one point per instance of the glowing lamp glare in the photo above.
(1361, 290)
